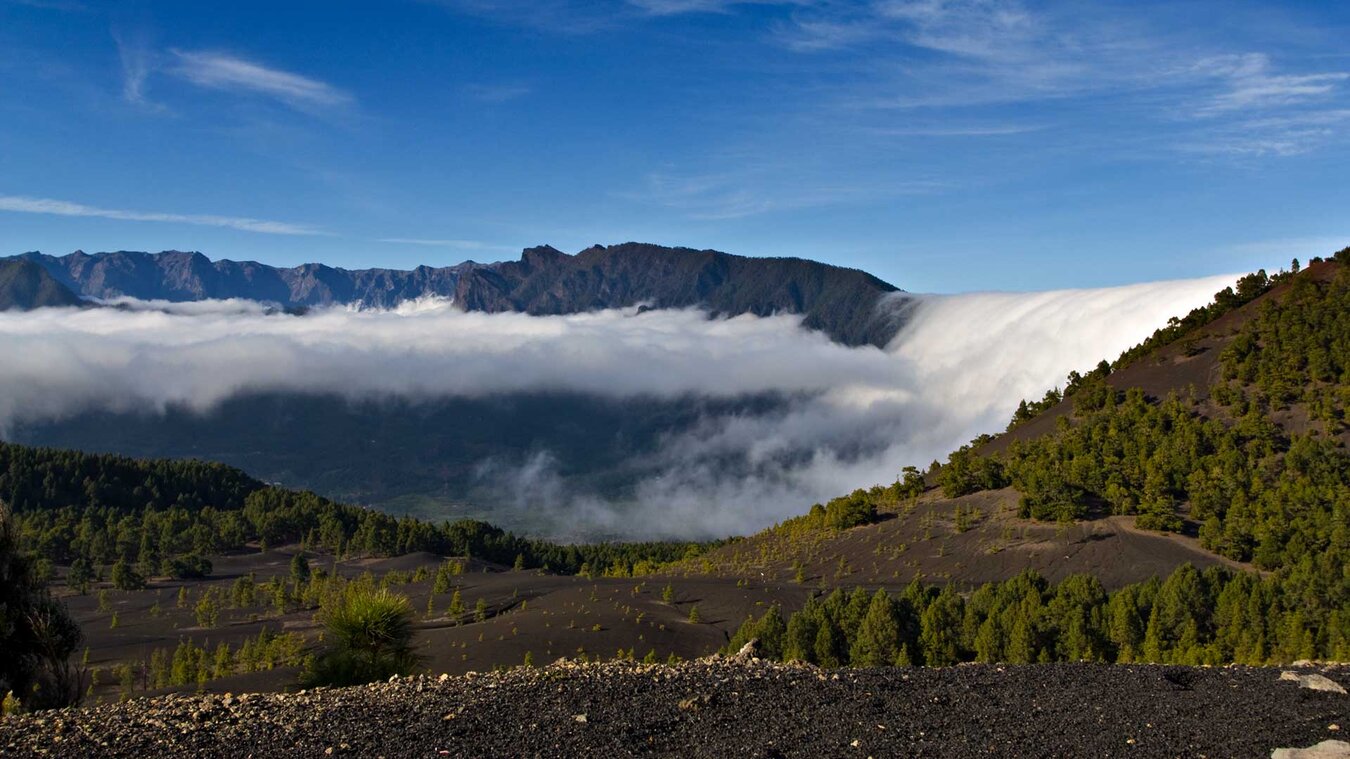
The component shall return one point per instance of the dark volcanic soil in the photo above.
(721, 708)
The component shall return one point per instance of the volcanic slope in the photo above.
(1232, 375)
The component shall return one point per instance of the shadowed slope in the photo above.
(26, 285)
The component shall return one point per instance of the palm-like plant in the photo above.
(370, 632)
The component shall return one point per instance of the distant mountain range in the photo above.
(437, 455)
(837, 301)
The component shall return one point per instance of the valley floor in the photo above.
(721, 707)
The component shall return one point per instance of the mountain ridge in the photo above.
(26, 285)
(838, 301)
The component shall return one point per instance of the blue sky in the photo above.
(944, 145)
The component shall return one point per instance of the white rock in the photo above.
(1313, 682)
(1323, 750)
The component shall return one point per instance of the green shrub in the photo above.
(124, 577)
(370, 634)
(189, 567)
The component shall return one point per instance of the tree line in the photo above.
(1214, 616)
(162, 516)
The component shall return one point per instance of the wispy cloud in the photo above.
(735, 195)
(944, 55)
(675, 7)
(814, 34)
(554, 16)
(1284, 135)
(956, 130)
(52, 5)
(576, 17)
(983, 29)
(138, 61)
(957, 53)
(221, 71)
(21, 204)
(988, 29)
(498, 93)
(456, 244)
(679, 7)
(1251, 84)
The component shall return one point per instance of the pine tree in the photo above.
(989, 641)
(941, 627)
(799, 639)
(829, 645)
(80, 576)
(124, 577)
(878, 640)
(300, 569)
(1021, 647)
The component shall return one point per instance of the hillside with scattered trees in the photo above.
(1227, 429)
(1188, 504)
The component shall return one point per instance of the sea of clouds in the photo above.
(856, 415)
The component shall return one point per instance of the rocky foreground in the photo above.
(725, 708)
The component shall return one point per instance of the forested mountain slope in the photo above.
(1220, 441)
(1236, 427)
(78, 509)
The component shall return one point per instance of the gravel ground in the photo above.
(723, 708)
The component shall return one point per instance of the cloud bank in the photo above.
(854, 417)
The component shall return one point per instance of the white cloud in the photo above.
(1284, 134)
(553, 16)
(988, 29)
(1251, 84)
(222, 71)
(137, 61)
(854, 416)
(738, 194)
(681, 7)
(21, 204)
(677, 7)
(438, 243)
(942, 53)
(956, 130)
